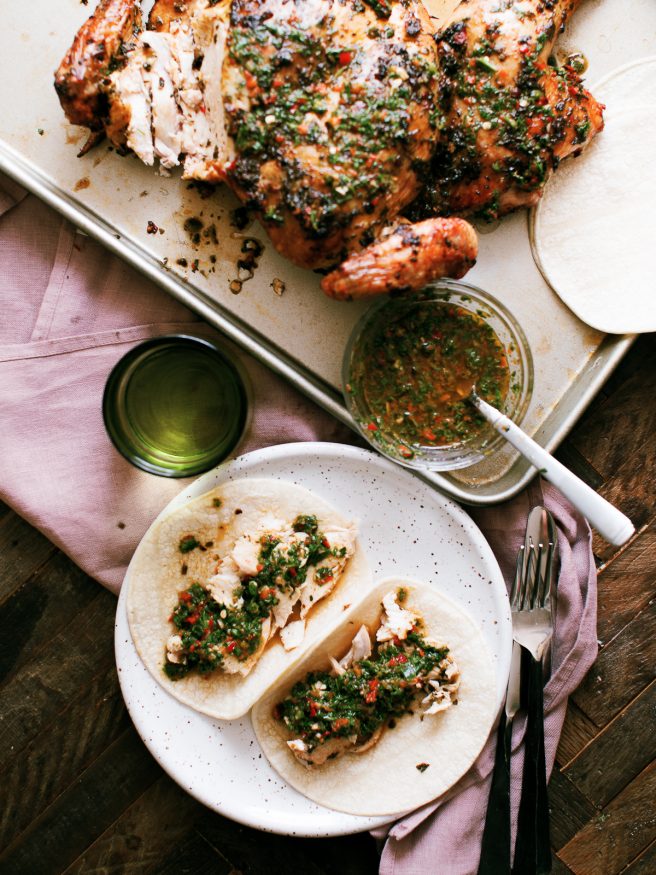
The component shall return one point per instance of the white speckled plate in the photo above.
(408, 529)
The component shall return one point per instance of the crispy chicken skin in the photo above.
(508, 116)
(406, 260)
(100, 45)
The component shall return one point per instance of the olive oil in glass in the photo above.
(175, 406)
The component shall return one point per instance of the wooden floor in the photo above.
(81, 794)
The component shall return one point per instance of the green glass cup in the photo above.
(175, 405)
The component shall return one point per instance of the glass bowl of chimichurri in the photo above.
(411, 362)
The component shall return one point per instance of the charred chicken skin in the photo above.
(336, 120)
(508, 117)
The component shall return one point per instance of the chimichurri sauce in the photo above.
(416, 373)
(210, 631)
(359, 701)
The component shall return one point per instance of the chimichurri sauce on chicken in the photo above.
(223, 622)
(347, 707)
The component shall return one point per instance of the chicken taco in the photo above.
(389, 710)
(229, 590)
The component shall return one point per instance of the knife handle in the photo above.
(533, 844)
(495, 848)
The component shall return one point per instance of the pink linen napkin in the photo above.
(70, 311)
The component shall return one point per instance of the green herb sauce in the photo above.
(366, 696)
(418, 369)
(210, 630)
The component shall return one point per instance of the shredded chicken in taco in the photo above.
(267, 582)
(346, 709)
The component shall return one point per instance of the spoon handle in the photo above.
(606, 519)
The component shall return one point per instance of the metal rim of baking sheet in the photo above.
(550, 434)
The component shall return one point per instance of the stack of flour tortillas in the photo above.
(594, 232)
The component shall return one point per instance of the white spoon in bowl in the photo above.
(611, 523)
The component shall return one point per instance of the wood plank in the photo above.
(618, 428)
(569, 809)
(615, 438)
(194, 856)
(558, 867)
(347, 855)
(147, 832)
(626, 585)
(31, 699)
(640, 357)
(578, 730)
(84, 811)
(43, 604)
(253, 852)
(607, 765)
(617, 834)
(23, 549)
(60, 752)
(644, 864)
(621, 671)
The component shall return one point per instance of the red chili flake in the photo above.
(185, 596)
(340, 723)
(312, 707)
(259, 567)
(534, 126)
(293, 572)
(372, 427)
(406, 452)
(524, 49)
(326, 543)
(429, 434)
(210, 624)
(191, 619)
(231, 646)
(251, 81)
(327, 578)
(398, 660)
(373, 691)
(346, 58)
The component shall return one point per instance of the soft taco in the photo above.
(389, 710)
(228, 591)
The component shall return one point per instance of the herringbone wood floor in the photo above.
(81, 794)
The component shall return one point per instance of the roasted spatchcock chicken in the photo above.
(356, 133)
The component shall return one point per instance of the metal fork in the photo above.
(532, 629)
(530, 595)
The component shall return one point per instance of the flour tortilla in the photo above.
(385, 780)
(155, 578)
(594, 230)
